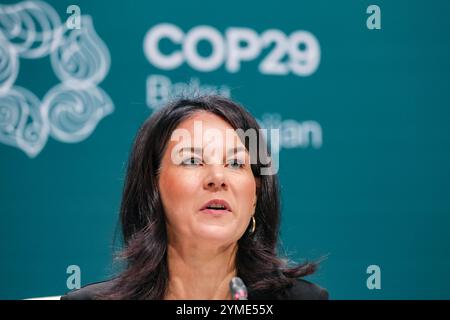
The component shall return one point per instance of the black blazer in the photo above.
(301, 290)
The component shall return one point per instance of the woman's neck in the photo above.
(196, 272)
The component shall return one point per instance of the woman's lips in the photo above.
(215, 212)
(216, 203)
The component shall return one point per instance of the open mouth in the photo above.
(216, 206)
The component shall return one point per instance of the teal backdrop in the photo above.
(364, 163)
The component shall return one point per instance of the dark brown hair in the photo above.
(143, 221)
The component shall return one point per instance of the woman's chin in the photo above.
(215, 233)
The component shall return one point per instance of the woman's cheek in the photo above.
(189, 181)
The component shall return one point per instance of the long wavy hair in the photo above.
(142, 217)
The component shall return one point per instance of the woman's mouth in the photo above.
(216, 207)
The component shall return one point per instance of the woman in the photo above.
(195, 213)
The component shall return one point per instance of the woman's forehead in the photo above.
(204, 129)
(206, 119)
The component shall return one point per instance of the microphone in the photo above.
(238, 289)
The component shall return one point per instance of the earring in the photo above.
(253, 225)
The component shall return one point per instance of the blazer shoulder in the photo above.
(305, 290)
(88, 292)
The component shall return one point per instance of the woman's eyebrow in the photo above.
(200, 150)
(191, 149)
(235, 150)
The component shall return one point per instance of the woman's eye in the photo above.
(191, 161)
(235, 163)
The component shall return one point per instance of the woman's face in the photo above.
(198, 166)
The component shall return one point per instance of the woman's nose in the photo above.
(215, 178)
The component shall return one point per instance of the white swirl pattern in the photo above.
(74, 114)
(32, 27)
(9, 66)
(82, 59)
(71, 110)
(21, 122)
